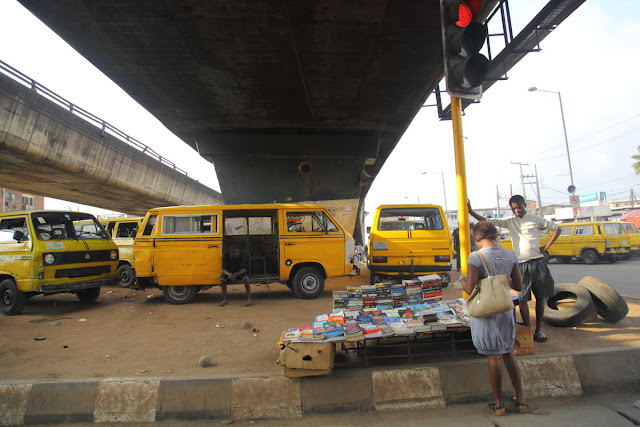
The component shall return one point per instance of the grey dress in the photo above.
(495, 334)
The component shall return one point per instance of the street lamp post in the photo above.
(564, 127)
(444, 191)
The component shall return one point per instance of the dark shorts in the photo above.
(536, 277)
(224, 278)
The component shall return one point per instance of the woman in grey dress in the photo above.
(494, 336)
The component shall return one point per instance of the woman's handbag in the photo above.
(491, 295)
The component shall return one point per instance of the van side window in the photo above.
(189, 224)
(305, 222)
(613, 229)
(564, 231)
(422, 218)
(584, 230)
(236, 226)
(260, 225)
(127, 229)
(8, 228)
(148, 228)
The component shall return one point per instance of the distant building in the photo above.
(18, 201)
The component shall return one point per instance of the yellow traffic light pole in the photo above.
(461, 185)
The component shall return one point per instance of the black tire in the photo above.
(179, 294)
(613, 259)
(290, 283)
(610, 305)
(127, 276)
(565, 259)
(308, 283)
(88, 295)
(12, 298)
(590, 256)
(577, 313)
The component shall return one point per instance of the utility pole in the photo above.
(524, 193)
(631, 197)
(535, 169)
(498, 201)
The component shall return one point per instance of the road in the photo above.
(623, 276)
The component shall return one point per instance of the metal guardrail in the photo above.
(74, 109)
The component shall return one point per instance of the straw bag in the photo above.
(491, 295)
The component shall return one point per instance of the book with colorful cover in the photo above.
(371, 331)
(333, 329)
(318, 330)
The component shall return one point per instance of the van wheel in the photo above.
(308, 283)
(179, 294)
(12, 299)
(613, 259)
(576, 313)
(88, 295)
(566, 259)
(610, 305)
(127, 276)
(589, 256)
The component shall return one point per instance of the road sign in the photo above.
(574, 201)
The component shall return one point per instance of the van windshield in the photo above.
(410, 219)
(67, 226)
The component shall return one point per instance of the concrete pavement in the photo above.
(373, 390)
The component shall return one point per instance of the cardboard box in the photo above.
(524, 340)
(309, 356)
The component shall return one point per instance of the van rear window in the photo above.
(410, 219)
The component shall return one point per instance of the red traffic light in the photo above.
(464, 15)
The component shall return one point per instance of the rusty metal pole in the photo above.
(461, 185)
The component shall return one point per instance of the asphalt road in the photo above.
(623, 276)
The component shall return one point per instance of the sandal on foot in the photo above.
(521, 406)
(497, 410)
(539, 337)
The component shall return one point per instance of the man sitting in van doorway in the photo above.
(234, 266)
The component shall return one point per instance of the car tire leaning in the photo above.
(573, 315)
(610, 305)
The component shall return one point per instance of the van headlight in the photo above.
(49, 259)
(114, 255)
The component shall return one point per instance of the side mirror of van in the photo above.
(368, 229)
(18, 236)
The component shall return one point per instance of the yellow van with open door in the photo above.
(408, 241)
(179, 249)
(50, 252)
(123, 231)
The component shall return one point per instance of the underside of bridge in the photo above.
(291, 99)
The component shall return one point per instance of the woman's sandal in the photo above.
(521, 406)
(497, 410)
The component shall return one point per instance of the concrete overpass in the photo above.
(291, 99)
(47, 150)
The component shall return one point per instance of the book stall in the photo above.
(369, 318)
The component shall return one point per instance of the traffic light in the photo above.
(463, 35)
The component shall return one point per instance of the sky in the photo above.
(592, 59)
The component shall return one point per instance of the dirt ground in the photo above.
(131, 334)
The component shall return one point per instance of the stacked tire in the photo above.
(589, 294)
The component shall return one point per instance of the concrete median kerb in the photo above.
(279, 397)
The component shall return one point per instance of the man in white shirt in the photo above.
(525, 235)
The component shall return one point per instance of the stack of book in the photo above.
(413, 289)
(333, 330)
(461, 309)
(383, 289)
(431, 287)
(354, 297)
(352, 331)
(369, 296)
(398, 295)
(371, 331)
(340, 300)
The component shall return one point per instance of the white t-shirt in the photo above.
(525, 234)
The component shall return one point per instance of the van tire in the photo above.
(12, 298)
(308, 283)
(613, 259)
(590, 256)
(88, 295)
(610, 305)
(566, 259)
(179, 294)
(575, 314)
(127, 276)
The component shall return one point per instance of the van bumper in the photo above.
(78, 286)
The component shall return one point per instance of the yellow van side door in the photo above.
(188, 249)
(563, 246)
(311, 236)
(15, 251)
(587, 236)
